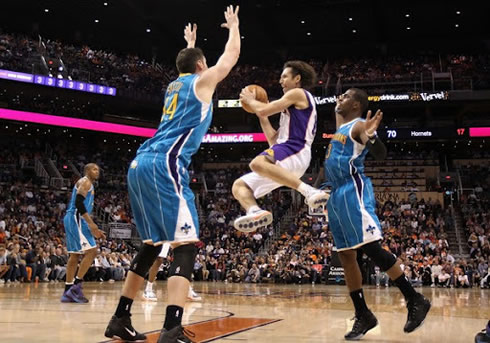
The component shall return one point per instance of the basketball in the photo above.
(260, 95)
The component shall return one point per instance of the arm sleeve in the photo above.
(80, 205)
(377, 148)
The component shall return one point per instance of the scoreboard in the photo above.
(427, 134)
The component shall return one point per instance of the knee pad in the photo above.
(183, 263)
(382, 258)
(144, 259)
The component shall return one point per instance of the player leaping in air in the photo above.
(289, 154)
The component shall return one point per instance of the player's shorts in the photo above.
(351, 214)
(78, 236)
(161, 200)
(286, 157)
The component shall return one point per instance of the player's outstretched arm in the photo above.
(365, 133)
(295, 97)
(210, 78)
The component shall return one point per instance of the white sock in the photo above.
(304, 189)
(253, 209)
(149, 286)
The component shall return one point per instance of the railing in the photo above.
(74, 169)
(52, 167)
(60, 182)
(41, 172)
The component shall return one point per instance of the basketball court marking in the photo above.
(211, 330)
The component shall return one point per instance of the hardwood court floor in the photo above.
(241, 313)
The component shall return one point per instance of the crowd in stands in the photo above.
(19, 53)
(32, 234)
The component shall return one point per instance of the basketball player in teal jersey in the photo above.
(158, 183)
(80, 234)
(351, 210)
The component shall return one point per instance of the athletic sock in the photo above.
(173, 317)
(68, 285)
(253, 209)
(149, 286)
(405, 287)
(359, 301)
(304, 189)
(124, 307)
(77, 280)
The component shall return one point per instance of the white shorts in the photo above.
(165, 250)
(296, 164)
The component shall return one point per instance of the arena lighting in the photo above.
(92, 125)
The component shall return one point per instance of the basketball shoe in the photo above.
(150, 295)
(484, 335)
(418, 307)
(316, 198)
(252, 221)
(193, 296)
(362, 324)
(177, 335)
(121, 328)
(74, 295)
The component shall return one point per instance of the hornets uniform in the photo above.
(292, 151)
(78, 235)
(158, 181)
(351, 207)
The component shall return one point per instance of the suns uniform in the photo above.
(78, 235)
(292, 151)
(158, 181)
(351, 207)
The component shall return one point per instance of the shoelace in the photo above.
(357, 323)
(188, 333)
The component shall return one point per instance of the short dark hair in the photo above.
(187, 59)
(361, 96)
(87, 167)
(308, 74)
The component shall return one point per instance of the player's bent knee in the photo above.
(144, 259)
(257, 165)
(183, 263)
(382, 258)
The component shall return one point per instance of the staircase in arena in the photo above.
(456, 237)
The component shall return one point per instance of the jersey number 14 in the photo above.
(169, 107)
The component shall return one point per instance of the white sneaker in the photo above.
(253, 221)
(2, 281)
(193, 296)
(150, 295)
(317, 198)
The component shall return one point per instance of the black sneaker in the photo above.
(363, 323)
(482, 337)
(418, 307)
(177, 335)
(121, 328)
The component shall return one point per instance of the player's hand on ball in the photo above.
(372, 124)
(247, 96)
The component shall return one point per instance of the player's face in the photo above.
(94, 172)
(345, 103)
(288, 80)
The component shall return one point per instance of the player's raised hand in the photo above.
(246, 96)
(190, 35)
(371, 124)
(231, 17)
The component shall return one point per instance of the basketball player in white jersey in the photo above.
(289, 154)
(149, 293)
